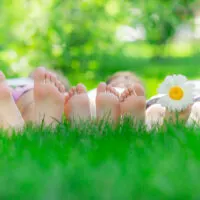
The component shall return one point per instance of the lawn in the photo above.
(122, 163)
(80, 163)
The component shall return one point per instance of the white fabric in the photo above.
(20, 82)
(92, 97)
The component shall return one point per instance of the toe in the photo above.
(73, 90)
(139, 90)
(109, 89)
(123, 96)
(39, 74)
(67, 97)
(131, 90)
(81, 89)
(127, 92)
(2, 77)
(62, 88)
(48, 77)
(58, 84)
(53, 77)
(101, 88)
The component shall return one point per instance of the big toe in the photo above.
(101, 88)
(81, 89)
(139, 90)
(2, 77)
(39, 74)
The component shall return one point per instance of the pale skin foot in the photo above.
(195, 114)
(49, 98)
(107, 103)
(156, 115)
(10, 115)
(182, 116)
(133, 103)
(77, 105)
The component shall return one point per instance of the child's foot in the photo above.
(77, 105)
(133, 102)
(195, 114)
(49, 97)
(182, 116)
(155, 115)
(107, 103)
(8, 110)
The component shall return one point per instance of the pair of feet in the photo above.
(48, 101)
(110, 106)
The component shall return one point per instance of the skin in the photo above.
(154, 114)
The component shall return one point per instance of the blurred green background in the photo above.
(90, 39)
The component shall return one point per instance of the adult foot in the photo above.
(49, 98)
(107, 103)
(133, 102)
(10, 115)
(77, 104)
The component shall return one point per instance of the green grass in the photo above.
(80, 163)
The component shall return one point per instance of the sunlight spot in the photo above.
(112, 8)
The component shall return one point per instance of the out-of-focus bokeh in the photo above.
(90, 39)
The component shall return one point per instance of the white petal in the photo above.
(164, 101)
(179, 79)
(166, 85)
(163, 89)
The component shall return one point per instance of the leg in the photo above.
(77, 105)
(48, 97)
(107, 103)
(26, 106)
(10, 115)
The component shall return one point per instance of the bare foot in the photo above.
(195, 114)
(107, 103)
(49, 97)
(182, 116)
(133, 102)
(155, 115)
(10, 115)
(77, 105)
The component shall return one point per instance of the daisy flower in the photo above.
(177, 93)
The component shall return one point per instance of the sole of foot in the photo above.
(175, 117)
(49, 98)
(8, 110)
(155, 115)
(133, 103)
(107, 103)
(77, 104)
(195, 114)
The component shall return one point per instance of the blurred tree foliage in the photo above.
(74, 35)
(161, 19)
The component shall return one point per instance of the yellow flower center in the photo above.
(176, 93)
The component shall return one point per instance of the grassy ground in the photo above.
(79, 163)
